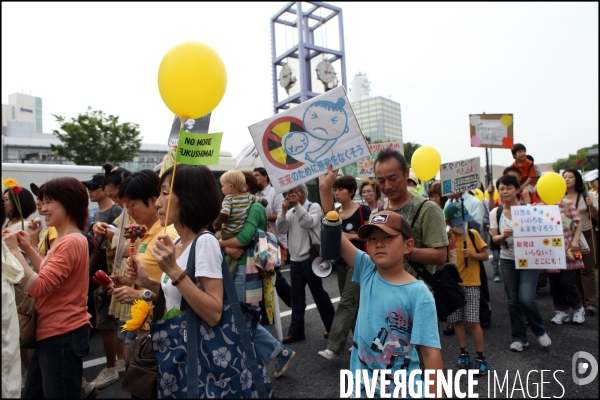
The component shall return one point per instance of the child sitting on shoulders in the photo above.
(475, 252)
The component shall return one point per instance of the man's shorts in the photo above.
(104, 321)
(128, 336)
(470, 311)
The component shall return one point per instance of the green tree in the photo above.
(409, 149)
(93, 138)
(370, 141)
(590, 162)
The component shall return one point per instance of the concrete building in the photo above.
(22, 107)
(23, 140)
(379, 118)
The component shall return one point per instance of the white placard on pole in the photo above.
(460, 176)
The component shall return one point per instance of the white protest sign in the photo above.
(460, 176)
(538, 237)
(491, 130)
(297, 145)
(366, 167)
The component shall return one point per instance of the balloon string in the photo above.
(170, 194)
(182, 121)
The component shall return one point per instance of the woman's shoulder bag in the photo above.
(197, 360)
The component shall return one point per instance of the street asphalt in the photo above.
(520, 374)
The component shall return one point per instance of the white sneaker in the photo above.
(88, 391)
(329, 355)
(106, 377)
(578, 316)
(518, 346)
(544, 340)
(560, 317)
(120, 366)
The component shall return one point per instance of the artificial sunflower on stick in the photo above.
(139, 312)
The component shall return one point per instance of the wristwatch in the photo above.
(147, 295)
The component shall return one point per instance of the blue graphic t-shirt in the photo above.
(391, 320)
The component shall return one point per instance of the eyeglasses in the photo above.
(367, 191)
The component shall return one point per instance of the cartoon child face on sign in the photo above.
(324, 122)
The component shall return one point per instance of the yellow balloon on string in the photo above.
(551, 188)
(426, 163)
(192, 80)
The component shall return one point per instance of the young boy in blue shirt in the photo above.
(396, 311)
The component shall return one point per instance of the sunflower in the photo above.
(139, 313)
(10, 183)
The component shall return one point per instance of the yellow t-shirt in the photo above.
(470, 275)
(147, 243)
(47, 237)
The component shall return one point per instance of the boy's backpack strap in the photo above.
(423, 273)
(472, 237)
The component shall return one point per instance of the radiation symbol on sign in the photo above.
(523, 263)
(556, 242)
(288, 130)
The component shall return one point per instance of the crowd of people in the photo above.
(384, 300)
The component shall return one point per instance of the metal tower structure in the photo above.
(310, 55)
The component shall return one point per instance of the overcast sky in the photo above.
(441, 61)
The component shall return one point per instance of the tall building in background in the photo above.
(379, 118)
(24, 110)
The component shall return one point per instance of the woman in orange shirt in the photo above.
(59, 283)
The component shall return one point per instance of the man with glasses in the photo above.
(105, 323)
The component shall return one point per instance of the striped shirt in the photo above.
(236, 206)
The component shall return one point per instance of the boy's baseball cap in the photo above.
(97, 180)
(389, 222)
(454, 213)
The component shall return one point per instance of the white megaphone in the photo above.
(322, 267)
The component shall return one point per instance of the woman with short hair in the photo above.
(353, 216)
(519, 284)
(371, 194)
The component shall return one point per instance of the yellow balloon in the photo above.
(478, 194)
(551, 187)
(487, 195)
(426, 162)
(192, 80)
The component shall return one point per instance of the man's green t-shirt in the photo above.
(428, 231)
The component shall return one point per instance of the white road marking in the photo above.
(94, 362)
(102, 360)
